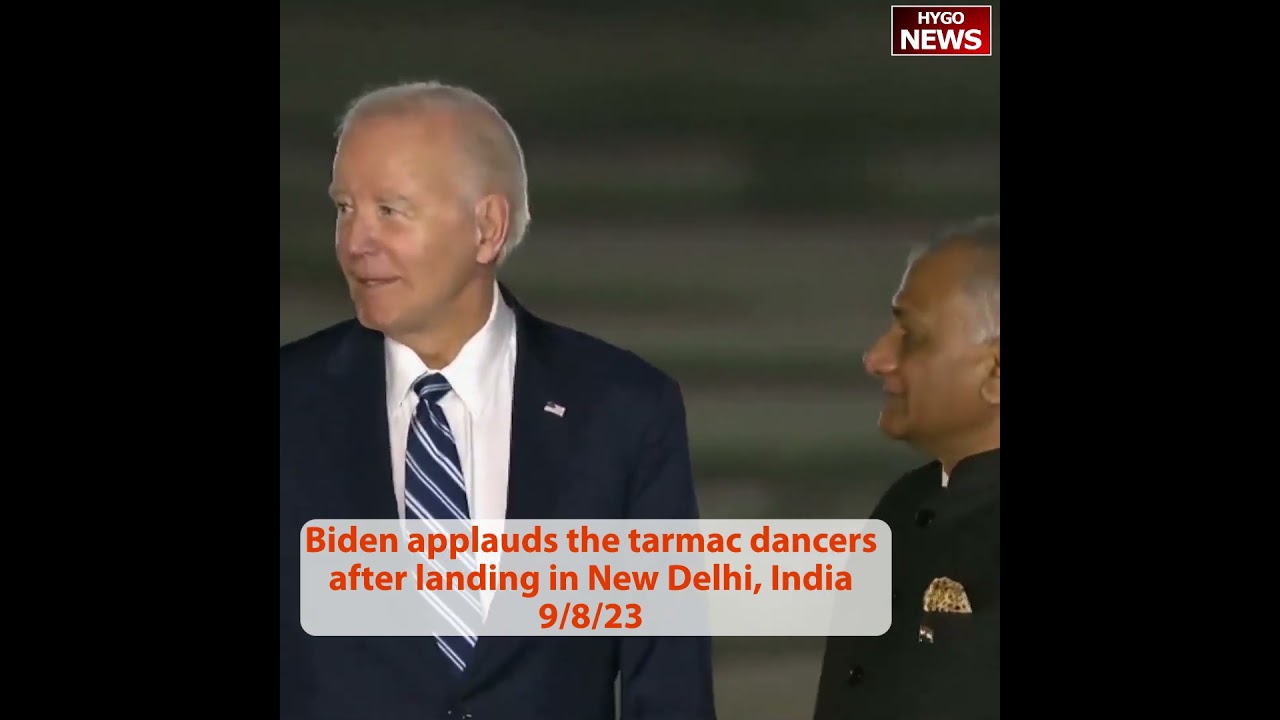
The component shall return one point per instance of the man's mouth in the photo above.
(374, 282)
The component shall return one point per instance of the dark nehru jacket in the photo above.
(942, 663)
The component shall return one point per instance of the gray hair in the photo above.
(491, 144)
(983, 284)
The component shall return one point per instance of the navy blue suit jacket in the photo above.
(619, 451)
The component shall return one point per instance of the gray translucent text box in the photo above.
(597, 577)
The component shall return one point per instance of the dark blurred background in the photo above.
(730, 191)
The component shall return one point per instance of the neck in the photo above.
(440, 344)
(985, 439)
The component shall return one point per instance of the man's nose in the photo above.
(878, 359)
(360, 237)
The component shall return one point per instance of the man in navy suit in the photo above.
(445, 396)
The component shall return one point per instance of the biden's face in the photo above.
(406, 230)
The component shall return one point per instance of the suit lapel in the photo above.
(358, 427)
(539, 437)
(540, 446)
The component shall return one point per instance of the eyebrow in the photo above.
(334, 192)
(396, 199)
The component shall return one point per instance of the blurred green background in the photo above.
(731, 192)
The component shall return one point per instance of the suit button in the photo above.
(855, 675)
(894, 596)
(924, 518)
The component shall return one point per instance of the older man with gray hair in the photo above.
(446, 400)
(939, 367)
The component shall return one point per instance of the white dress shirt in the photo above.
(478, 407)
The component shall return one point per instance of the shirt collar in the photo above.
(974, 474)
(472, 374)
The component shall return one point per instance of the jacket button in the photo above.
(926, 634)
(924, 518)
(855, 675)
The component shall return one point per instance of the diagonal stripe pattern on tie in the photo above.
(435, 491)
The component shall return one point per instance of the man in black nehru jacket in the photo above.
(939, 365)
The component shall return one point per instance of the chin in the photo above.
(376, 318)
(894, 426)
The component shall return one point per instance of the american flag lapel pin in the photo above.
(554, 408)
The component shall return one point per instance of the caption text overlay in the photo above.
(596, 577)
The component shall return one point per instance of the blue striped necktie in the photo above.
(435, 490)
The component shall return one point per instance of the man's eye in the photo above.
(343, 207)
(387, 211)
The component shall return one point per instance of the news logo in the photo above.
(941, 30)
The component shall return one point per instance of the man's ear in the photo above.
(991, 383)
(492, 213)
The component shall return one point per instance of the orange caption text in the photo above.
(690, 574)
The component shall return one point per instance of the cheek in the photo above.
(922, 378)
(431, 251)
(937, 381)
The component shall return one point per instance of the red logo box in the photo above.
(941, 30)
